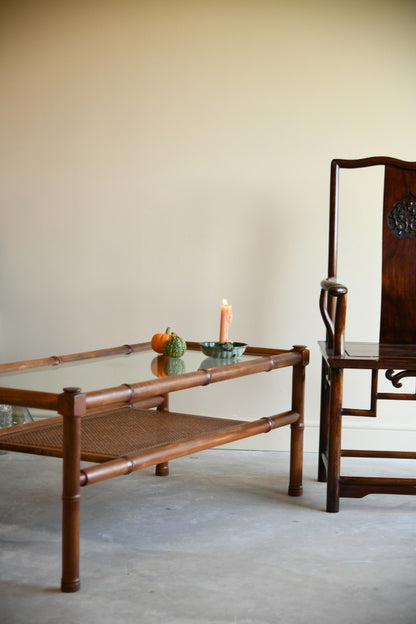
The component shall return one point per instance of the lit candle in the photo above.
(226, 318)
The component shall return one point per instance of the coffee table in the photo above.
(112, 409)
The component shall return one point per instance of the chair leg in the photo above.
(334, 446)
(323, 425)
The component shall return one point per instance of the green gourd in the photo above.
(175, 346)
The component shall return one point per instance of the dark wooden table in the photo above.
(122, 423)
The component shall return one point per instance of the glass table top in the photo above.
(109, 371)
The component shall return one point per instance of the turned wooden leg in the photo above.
(72, 405)
(334, 442)
(296, 429)
(162, 469)
(323, 425)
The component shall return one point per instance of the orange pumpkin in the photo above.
(158, 341)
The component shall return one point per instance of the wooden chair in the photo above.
(395, 353)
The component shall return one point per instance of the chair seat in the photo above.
(372, 355)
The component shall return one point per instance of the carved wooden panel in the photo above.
(402, 217)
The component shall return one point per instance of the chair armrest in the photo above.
(333, 307)
(333, 288)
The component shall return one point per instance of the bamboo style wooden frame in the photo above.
(79, 410)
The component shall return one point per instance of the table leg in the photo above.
(296, 429)
(71, 407)
(162, 469)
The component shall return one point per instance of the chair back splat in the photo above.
(398, 299)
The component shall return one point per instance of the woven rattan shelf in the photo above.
(114, 434)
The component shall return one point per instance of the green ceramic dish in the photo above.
(223, 349)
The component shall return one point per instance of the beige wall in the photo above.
(159, 155)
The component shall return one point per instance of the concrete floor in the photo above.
(218, 541)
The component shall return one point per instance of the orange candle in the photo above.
(226, 318)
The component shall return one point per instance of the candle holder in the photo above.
(223, 350)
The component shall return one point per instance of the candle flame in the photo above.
(224, 302)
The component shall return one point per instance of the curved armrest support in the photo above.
(333, 307)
